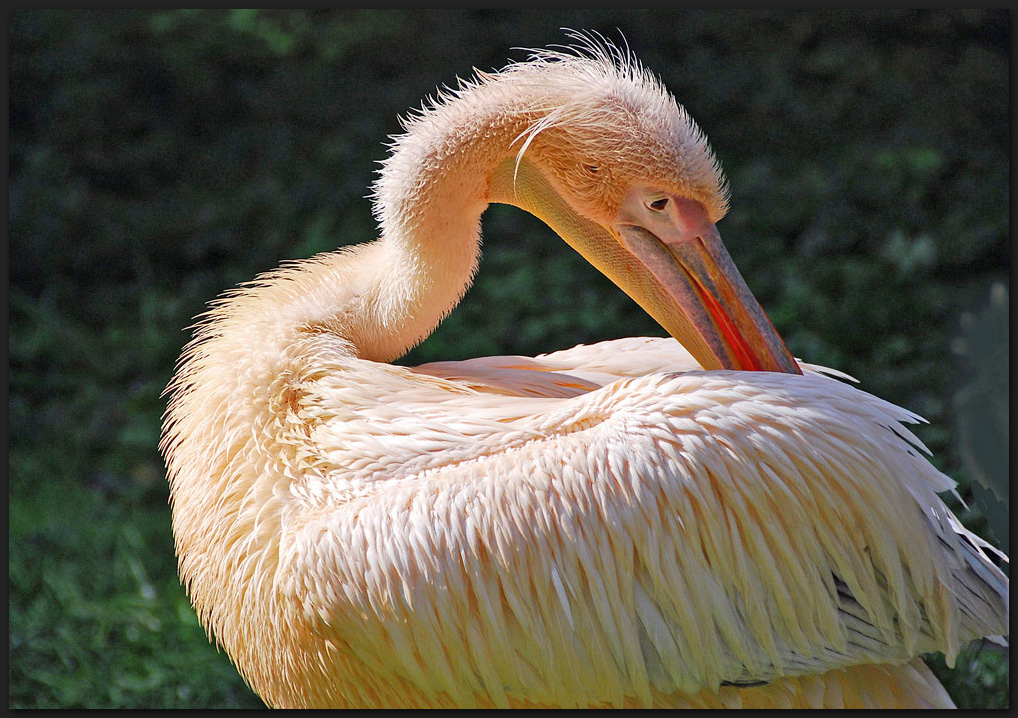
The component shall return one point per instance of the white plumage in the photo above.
(620, 524)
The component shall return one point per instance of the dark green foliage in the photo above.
(97, 618)
(159, 157)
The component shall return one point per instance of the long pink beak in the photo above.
(693, 289)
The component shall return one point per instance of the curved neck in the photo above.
(429, 199)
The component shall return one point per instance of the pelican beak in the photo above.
(682, 275)
(668, 257)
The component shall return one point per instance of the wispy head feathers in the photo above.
(597, 94)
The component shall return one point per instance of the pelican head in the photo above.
(620, 170)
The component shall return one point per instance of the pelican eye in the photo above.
(592, 169)
(658, 205)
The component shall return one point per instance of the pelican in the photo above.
(698, 520)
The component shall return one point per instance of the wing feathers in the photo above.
(663, 534)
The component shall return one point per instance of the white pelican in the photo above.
(644, 522)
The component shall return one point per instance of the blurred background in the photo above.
(159, 157)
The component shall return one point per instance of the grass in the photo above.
(97, 616)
